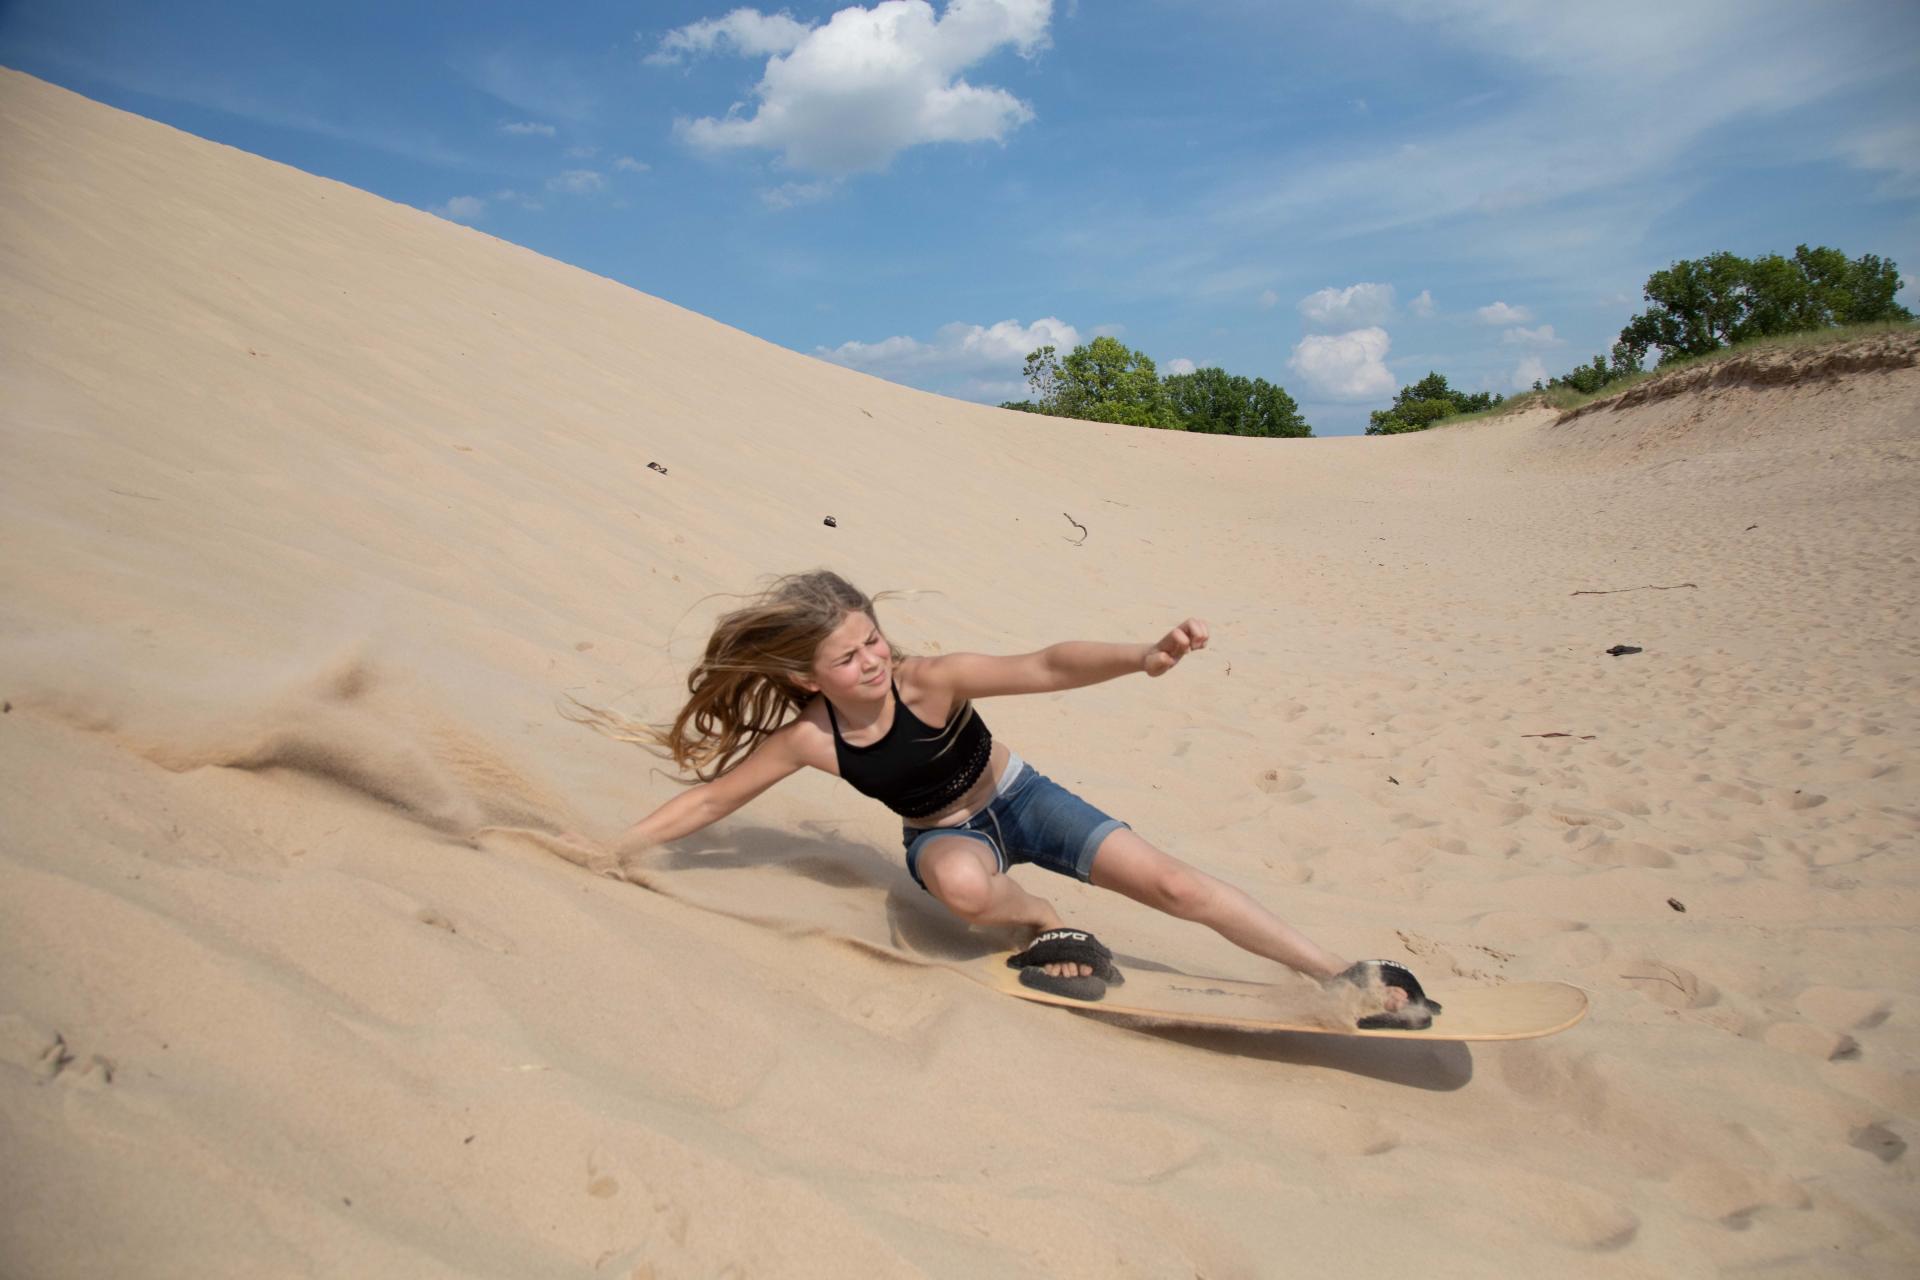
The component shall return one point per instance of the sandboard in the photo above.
(1513, 1011)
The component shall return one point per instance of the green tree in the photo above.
(1042, 373)
(1848, 292)
(1599, 373)
(1107, 381)
(1216, 402)
(1703, 304)
(1419, 405)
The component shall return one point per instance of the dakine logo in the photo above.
(1213, 991)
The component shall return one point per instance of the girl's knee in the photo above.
(962, 885)
(1184, 892)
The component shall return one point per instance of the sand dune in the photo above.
(317, 507)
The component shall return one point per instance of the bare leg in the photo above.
(1129, 865)
(968, 882)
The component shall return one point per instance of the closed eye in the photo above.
(849, 658)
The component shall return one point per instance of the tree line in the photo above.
(1107, 381)
(1419, 405)
(1703, 304)
(1700, 305)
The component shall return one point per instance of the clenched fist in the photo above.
(1191, 634)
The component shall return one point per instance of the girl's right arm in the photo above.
(776, 757)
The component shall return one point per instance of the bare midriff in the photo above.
(978, 796)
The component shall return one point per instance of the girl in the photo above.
(804, 676)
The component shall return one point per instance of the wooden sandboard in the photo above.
(1514, 1011)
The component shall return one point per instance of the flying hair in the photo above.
(744, 688)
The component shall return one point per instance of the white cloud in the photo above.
(849, 96)
(627, 164)
(789, 194)
(544, 86)
(463, 208)
(1269, 300)
(1180, 364)
(994, 391)
(1529, 371)
(1501, 313)
(1541, 337)
(1345, 366)
(1354, 307)
(1711, 80)
(577, 181)
(527, 128)
(747, 32)
(473, 208)
(582, 151)
(1422, 306)
(1893, 149)
(986, 353)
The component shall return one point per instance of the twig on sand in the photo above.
(1584, 737)
(1618, 590)
(1076, 524)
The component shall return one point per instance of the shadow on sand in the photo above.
(920, 927)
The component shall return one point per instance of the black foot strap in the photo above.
(1415, 1015)
(1066, 946)
(1088, 989)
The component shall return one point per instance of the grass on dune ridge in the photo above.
(1566, 398)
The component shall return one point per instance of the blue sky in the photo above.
(1335, 197)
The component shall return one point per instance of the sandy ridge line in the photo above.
(1777, 367)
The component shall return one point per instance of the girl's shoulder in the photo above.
(914, 675)
(923, 683)
(812, 735)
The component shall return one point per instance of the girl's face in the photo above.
(854, 664)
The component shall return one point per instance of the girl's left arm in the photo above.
(1071, 664)
(1085, 662)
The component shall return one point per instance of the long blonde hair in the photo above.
(744, 688)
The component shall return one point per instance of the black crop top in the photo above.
(915, 771)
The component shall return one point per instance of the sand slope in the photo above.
(315, 506)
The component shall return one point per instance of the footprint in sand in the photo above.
(1600, 851)
(1288, 787)
(1668, 984)
(1843, 1009)
(1810, 1041)
(1501, 811)
(47, 1056)
(1721, 1193)
(1583, 818)
(1342, 1131)
(1572, 1214)
(1879, 1141)
(1631, 805)
(1564, 944)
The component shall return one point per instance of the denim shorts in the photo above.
(1032, 819)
